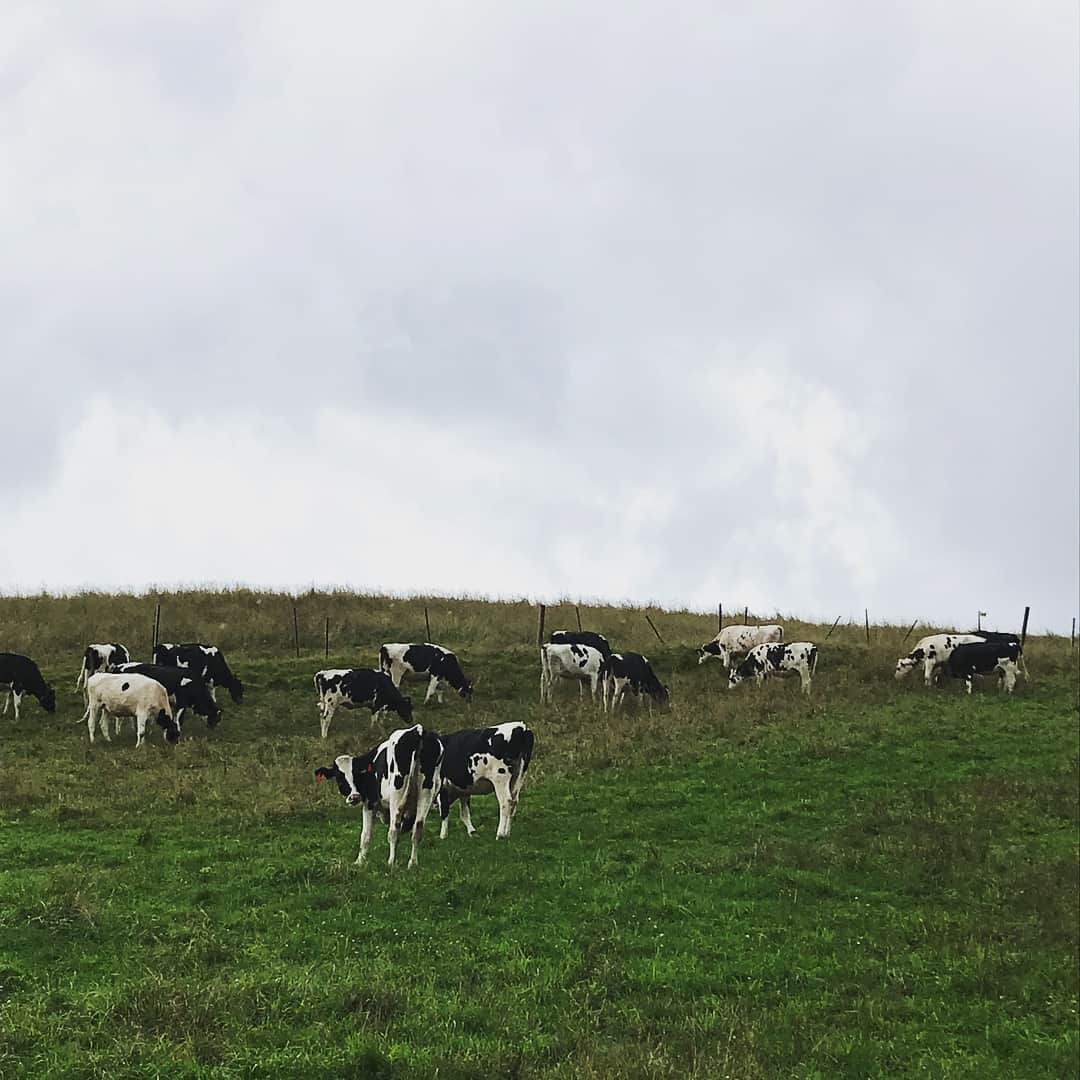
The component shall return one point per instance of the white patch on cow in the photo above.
(737, 639)
(127, 695)
(576, 662)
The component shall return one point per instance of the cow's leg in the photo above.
(213, 693)
(466, 815)
(397, 811)
(16, 697)
(7, 700)
(433, 686)
(804, 679)
(443, 799)
(91, 720)
(365, 835)
(116, 724)
(140, 728)
(325, 716)
(501, 784)
(967, 683)
(1007, 677)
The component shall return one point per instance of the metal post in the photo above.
(427, 624)
(540, 626)
(1023, 631)
(866, 616)
(834, 626)
(909, 629)
(719, 617)
(654, 630)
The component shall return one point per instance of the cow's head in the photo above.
(661, 694)
(745, 670)
(236, 690)
(713, 650)
(47, 697)
(211, 711)
(403, 708)
(349, 774)
(465, 690)
(168, 725)
(906, 664)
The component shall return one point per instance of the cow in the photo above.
(441, 665)
(738, 639)
(186, 690)
(985, 658)
(480, 760)
(931, 651)
(105, 657)
(400, 777)
(20, 675)
(580, 662)
(632, 671)
(582, 637)
(207, 661)
(128, 694)
(354, 688)
(1005, 638)
(798, 658)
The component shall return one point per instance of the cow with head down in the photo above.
(931, 653)
(764, 661)
(735, 640)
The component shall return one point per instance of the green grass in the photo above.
(879, 881)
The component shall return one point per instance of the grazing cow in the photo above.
(440, 664)
(580, 662)
(106, 657)
(207, 661)
(20, 675)
(128, 694)
(400, 777)
(798, 658)
(931, 651)
(354, 688)
(632, 671)
(186, 690)
(985, 658)
(481, 760)
(733, 640)
(582, 637)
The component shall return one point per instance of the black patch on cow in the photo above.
(184, 686)
(638, 671)
(775, 656)
(582, 637)
(24, 677)
(430, 755)
(125, 686)
(980, 658)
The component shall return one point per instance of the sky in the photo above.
(769, 304)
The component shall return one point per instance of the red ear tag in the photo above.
(371, 768)
(320, 778)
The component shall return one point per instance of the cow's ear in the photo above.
(322, 774)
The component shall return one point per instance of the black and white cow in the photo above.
(128, 695)
(207, 661)
(632, 671)
(582, 637)
(798, 658)
(186, 690)
(355, 688)
(931, 652)
(582, 663)
(105, 657)
(985, 658)
(20, 675)
(481, 760)
(439, 664)
(400, 777)
(736, 639)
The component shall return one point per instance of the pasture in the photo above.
(875, 881)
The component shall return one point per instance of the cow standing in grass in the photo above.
(439, 664)
(798, 658)
(400, 777)
(582, 637)
(104, 657)
(355, 688)
(580, 663)
(128, 694)
(735, 640)
(20, 675)
(632, 671)
(985, 658)
(185, 689)
(483, 760)
(206, 661)
(931, 652)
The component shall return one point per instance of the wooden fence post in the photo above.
(746, 616)
(540, 626)
(1023, 631)
(719, 617)
(157, 628)
(909, 629)
(326, 650)
(577, 612)
(833, 627)
(427, 624)
(1072, 636)
(866, 616)
(295, 631)
(654, 630)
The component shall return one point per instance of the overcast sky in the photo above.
(767, 303)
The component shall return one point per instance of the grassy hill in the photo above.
(879, 881)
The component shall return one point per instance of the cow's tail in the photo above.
(522, 744)
(81, 680)
(813, 659)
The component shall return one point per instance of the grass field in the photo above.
(879, 881)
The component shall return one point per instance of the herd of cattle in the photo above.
(415, 768)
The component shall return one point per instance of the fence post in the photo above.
(157, 628)
(540, 626)
(909, 629)
(1072, 636)
(295, 631)
(326, 650)
(719, 617)
(427, 624)
(654, 630)
(1023, 631)
(833, 627)
(866, 616)
(577, 612)
(746, 616)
